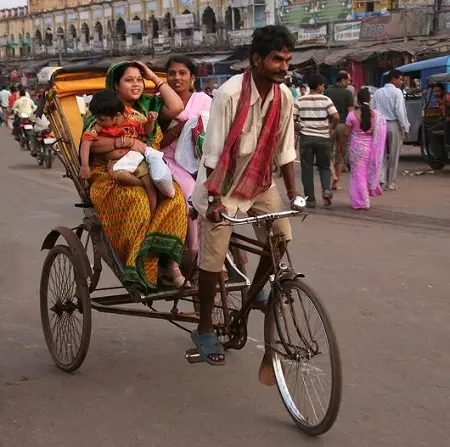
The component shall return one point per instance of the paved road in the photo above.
(383, 275)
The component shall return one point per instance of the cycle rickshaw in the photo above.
(298, 334)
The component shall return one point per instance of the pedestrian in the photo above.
(4, 97)
(250, 123)
(390, 101)
(315, 111)
(367, 131)
(344, 102)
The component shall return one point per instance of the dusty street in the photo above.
(383, 275)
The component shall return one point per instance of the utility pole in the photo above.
(405, 24)
(437, 6)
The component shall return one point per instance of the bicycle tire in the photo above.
(272, 327)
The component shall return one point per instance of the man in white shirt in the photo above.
(390, 101)
(250, 123)
(24, 104)
(4, 98)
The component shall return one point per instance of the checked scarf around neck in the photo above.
(257, 176)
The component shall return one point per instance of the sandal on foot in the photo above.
(208, 347)
(260, 302)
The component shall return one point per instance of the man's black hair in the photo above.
(394, 74)
(185, 60)
(271, 38)
(22, 92)
(13, 89)
(315, 80)
(106, 103)
(342, 76)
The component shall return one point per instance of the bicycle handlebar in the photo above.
(299, 203)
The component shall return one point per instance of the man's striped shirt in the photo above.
(314, 113)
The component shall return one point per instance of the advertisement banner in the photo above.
(184, 21)
(310, 12)
(134, 27)
(313, 33)
(347, 31)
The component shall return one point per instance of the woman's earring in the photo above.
(192, 85)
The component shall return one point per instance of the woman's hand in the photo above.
(85, 172)
(147, 73)
(139, 146)
(150, 124)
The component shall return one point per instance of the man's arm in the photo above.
(333, 113)
(286, 151)
(350, 102)
(400, 111)
(218, 128)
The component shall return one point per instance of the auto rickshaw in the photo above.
(436, 123)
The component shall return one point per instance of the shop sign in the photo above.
(48, 20)
(97, 13)
(152, 6)
(84, 15)
(186, 2)
(347, 31)
(310, 12)
(3, 41)
(107, 12)
(120, 11)
(136, 7)
(240, 3)
(134, 27)
(312, 33)
(184, 21)
(59, 19)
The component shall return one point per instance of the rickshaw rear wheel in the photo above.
(65, 309)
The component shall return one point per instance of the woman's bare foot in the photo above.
(266, 374)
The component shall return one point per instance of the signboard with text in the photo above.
(184, 21)
(310, 12)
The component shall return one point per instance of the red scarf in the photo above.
(257, 176)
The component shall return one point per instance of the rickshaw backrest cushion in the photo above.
(74, 118)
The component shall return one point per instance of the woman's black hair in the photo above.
(185, 60)
(366, 113)
(121, 69)
(106, 103)
(271, 38)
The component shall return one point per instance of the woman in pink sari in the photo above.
(367, 130)
(181, 72)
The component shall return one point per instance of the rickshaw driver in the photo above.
(442, 100)
(251, 121)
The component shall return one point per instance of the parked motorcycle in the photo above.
(24, 129)
(44, 143)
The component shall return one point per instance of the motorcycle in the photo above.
(44, 143)
(24, 130)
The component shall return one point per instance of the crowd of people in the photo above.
(250, 124)
(337, 129)
(15, 101)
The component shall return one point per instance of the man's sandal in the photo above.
(208, 347)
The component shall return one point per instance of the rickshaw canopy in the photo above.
(441, 78)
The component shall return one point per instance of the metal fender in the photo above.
(74, 244)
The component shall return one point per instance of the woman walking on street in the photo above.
(367, 130)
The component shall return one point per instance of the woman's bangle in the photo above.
(160, 84)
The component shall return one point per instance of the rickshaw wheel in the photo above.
(65, 309)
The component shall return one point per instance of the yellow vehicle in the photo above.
(299, 337)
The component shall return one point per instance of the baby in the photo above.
(111, 122)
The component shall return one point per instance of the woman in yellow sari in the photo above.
(142, 241)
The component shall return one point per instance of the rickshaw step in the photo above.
(192, 356)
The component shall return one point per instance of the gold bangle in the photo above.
(159, 85)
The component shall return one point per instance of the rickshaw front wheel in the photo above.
(65, 309)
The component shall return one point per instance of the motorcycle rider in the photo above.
(23, 105)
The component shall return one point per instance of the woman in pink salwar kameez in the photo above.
(181, 72)
(367, 130)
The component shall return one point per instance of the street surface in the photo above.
(383, 275)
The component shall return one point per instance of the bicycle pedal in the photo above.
(193, 356)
